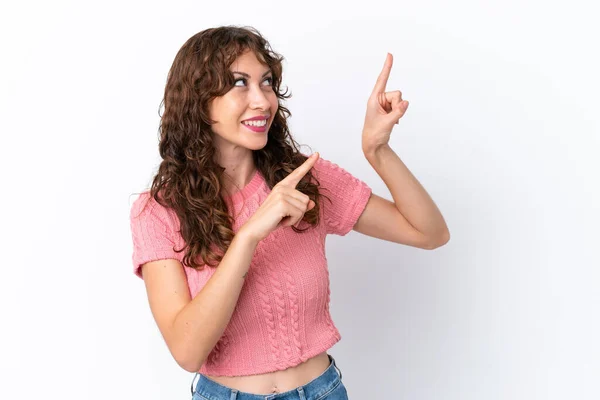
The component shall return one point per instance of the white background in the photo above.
(502, 131)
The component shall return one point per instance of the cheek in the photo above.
(235, 109)
(274, 102)
(227, 106)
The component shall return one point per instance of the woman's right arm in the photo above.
(191, 328)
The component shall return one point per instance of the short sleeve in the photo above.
(151, 232)
(349, 196)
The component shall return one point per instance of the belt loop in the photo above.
(336, 367)
(301, 393)
(192, 386)
(234, 393)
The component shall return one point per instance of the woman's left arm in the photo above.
(413, 218)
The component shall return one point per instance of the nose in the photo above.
(259, 99)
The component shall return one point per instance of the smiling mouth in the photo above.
(256, 128)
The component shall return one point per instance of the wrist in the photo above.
(243, 235)
(373, 151)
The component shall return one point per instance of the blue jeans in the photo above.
(327, 386)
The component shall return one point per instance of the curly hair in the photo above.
(188, 179)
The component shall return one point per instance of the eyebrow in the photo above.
(248, 76)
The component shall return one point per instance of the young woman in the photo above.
(230, 238)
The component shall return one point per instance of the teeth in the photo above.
(256, 123)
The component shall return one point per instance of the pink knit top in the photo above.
(282, 315)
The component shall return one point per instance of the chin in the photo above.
(255, 141)
(257, 145)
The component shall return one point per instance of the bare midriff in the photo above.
(278, 381)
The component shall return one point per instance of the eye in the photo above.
(270, 79)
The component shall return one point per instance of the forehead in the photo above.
(248, 62)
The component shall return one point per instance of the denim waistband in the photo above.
(212, 390)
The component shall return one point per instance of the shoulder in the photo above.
(324, 164)
(143, 205)
(145, 208)
(325, 168)
(330, 173)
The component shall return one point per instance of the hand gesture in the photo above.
(384, 110)
(284, 206)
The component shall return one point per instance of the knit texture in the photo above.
(282, 315)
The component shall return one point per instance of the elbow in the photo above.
(188, 364)
(187, 360)
(188, 355)
(193, 368)
(439, 241)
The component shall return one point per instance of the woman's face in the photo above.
(252, 96)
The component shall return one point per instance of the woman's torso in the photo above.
(278, 381)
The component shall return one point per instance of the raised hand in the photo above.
(384, 110)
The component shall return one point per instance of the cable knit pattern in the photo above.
(282, 316)
(268, 312)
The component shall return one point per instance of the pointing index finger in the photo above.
(384, 75)
(296, 175)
